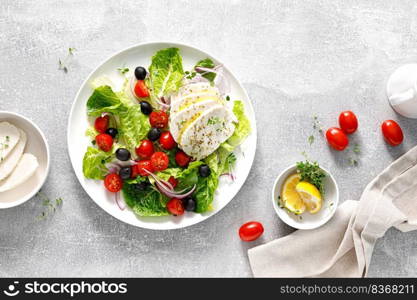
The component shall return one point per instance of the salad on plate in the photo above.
(162, 140)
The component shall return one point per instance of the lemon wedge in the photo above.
(310, 195)
(290, 198)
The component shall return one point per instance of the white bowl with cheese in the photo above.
(307, 220)
(32, 157)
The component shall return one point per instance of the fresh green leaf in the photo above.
(103, 100)
(91, 132)
(311, 139)
(165, 73)
(207, 63)
(123, 70)
(94, 163)
(243, 128)
(146, 202)
(134, 126)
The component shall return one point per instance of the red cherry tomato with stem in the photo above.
(158, 119)
(160, 161)
(104, 141)
(113, 183)
(251, 231)
(102, 123)
(175, 207)
(392, 132)
(348, 122)
(141, 91)
(145, 149)
(337, 138)
(167, 141)
(182, 159)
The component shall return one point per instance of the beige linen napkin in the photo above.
(343, 247)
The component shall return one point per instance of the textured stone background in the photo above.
(295, 58)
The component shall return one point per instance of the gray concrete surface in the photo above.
(295, 58)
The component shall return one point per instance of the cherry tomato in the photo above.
(140, 167)
(251, 231)
(160, 161)
(182, 159)
(173, 181)
(392, 132)
(145, 149)
(102, 123)
(158, 119)
(337, 138)
(113, 183)
(167, 141)
(104, 141)
(348, 122)
(175, 207)
(141, 91)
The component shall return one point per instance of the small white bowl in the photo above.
(307, 220)
(38, 146)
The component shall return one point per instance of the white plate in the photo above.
(36, 145)
(140, 55)
(307, 220)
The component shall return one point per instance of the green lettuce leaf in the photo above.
(147, 203)
(243, 128)
(103, 100)
(91, 132)
(165, 73)
(207, 63)
(207, 186)
(133, 126)
(94, 163)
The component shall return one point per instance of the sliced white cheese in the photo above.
(198, 87)
(24, 170)
(10, 162)
(181, 120)
(206, 133)
(9, 137)
(191, 99)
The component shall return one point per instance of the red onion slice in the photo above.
(119, 201)
(167, 189)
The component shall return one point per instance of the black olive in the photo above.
(145, 107)
(112, 131)
(204, 171)
(190, 204)
(141, 186)
(154, 134)
(125, 172)
(140, 73)
(122, 154)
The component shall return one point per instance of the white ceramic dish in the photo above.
(140, 55)
(38, 146)
(307, 220)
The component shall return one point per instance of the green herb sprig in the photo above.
(311, 172)
(123, 70)
(63, 63)
(50, 206)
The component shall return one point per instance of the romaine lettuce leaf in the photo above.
(243, 128)
(147, 203)
(94, 163)
(165, 73)
(133, 126)
(103, 100)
